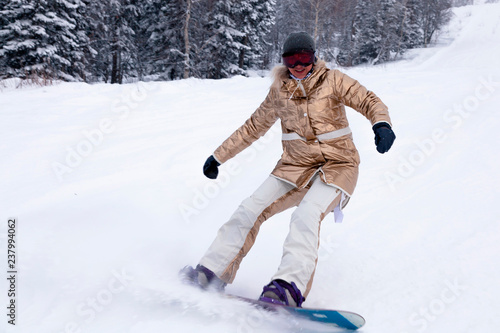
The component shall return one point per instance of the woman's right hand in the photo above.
(210, 169)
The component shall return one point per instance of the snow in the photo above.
(106, 184)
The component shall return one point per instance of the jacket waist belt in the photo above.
(320, 137)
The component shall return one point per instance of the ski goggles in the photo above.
(304, 58)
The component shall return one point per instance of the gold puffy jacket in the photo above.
(316, 134)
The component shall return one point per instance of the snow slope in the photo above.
(106, 183)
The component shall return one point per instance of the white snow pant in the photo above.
(300, 250)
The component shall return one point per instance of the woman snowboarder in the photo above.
(317, 171)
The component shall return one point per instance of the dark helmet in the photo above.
(298, 41)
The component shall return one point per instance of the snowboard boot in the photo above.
(282, 292)
(202, 277)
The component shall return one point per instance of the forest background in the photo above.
(120, 41)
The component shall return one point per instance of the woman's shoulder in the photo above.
(331, 72)
(335, 75)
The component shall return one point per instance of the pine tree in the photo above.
(97, 50)
(163, 23)
(365, 35)
(42, 40)
(389, 19)
(344, 41)
(122, 48)
(115, 40)
(112, 52)
(221, 51)
(412, 32)
(3, 18)
(328, 26)
(134, 66)
(267, 8)
(254, 19)
(385, 29)
(4, 35)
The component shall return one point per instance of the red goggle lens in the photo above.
(304, 58)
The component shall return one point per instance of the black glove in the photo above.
(210, 168)
(384, 137)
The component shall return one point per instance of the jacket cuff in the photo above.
(381, 124)
(215, 158)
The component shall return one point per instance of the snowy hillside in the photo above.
(106, 183)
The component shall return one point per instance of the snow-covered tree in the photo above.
(3, 21)
(412, 31)
(343, 36)
(97, 30)
(255, 19)
(111, 27)
(42, 39)
(389, 27)
(384, 29)
(435, 14)
(365, 35)
(219, 53)
(112, 40)
(121, 14)
(163, 23)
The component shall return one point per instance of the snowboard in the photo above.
(328, 318)
(307, 318)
